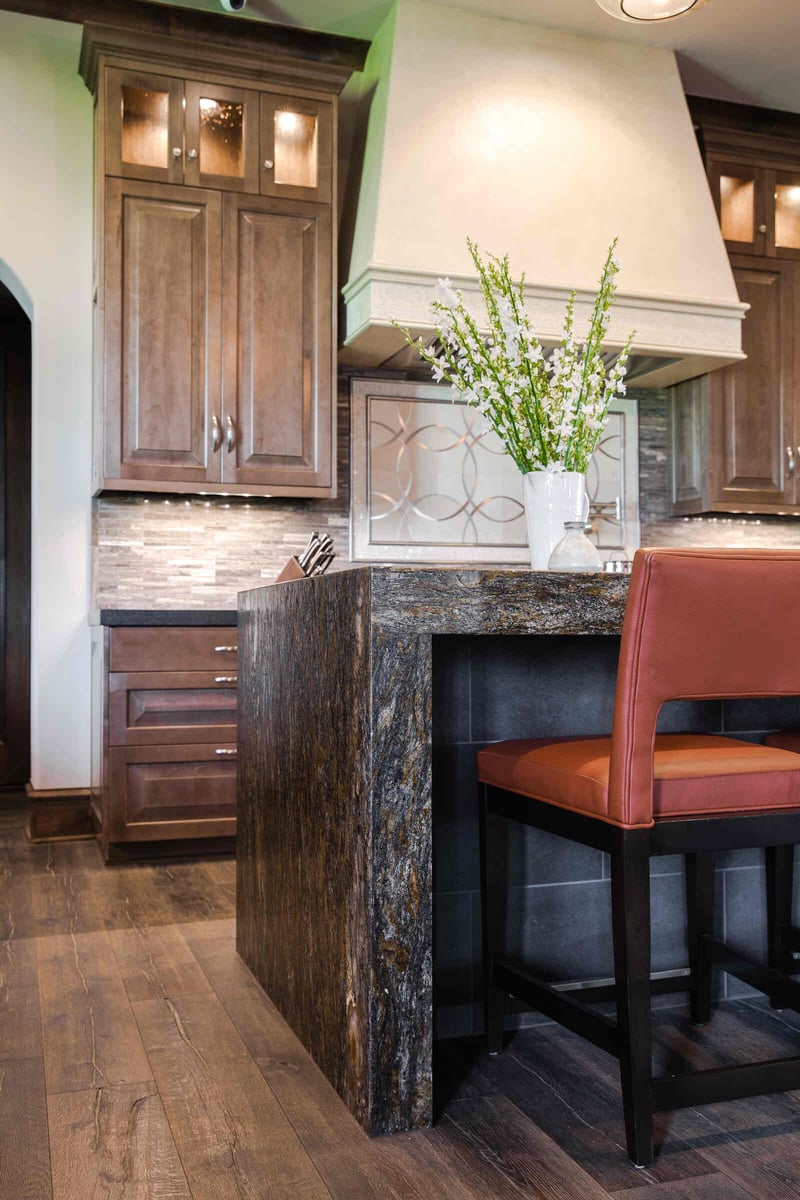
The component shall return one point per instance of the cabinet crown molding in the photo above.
(248, 49)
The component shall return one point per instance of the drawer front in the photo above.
(151, 708)
(168, 792)
(174, 649)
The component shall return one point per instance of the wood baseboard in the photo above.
(61, 815)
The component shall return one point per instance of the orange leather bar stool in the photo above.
(699, 624)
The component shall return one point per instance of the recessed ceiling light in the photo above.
(649, 10)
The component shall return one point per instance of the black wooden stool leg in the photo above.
(780, 879)
(630, 898)
(700, 920)
(493, 910)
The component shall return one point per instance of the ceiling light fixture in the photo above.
(649, 10)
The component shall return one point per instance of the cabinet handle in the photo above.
(790, 457)
(216, 434)
(268, 164)
(224, 679)
(230, 434)
(226, 649)
(176, 152)
(225, 753)
(192, 154)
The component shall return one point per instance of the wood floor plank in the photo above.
(133, 896)
(114, 1143)
(64, 903)
(24, 1154)
(155, 962)
(500, 1134)
(420, 1166)
(20, 1028)
(549, 1075)
(90, 1037)
(16, 903)
(755, 1142)
(352, 1167)
(232, 1135)
(709, 1187)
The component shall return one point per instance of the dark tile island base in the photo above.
(363, 696)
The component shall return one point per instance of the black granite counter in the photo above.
(334, 885)
(164, 616)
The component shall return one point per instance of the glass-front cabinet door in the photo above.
(738, 190)
(221, 137)
(296, 148)
(144, 126)
(783, 187)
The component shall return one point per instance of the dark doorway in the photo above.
(15, 542)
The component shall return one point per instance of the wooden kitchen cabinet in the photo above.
(162, 388)
(215, 259)
(221, 309)
(277, 319)
(735, 437)
(165, 720)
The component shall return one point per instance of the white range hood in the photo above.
(544, 145)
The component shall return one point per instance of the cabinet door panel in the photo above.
(221, 137)
(752, 417)
(278, 378)
(174, 648)
(144, 126)
(739, 192)
(150, 708)
(162, 332)
(296, 148)
(160, 792)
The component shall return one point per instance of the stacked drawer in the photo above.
(170, 763)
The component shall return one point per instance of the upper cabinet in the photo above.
(215, 256)
(735, 436)
(758, 207)
(174, 130)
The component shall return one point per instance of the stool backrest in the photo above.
(699, 624)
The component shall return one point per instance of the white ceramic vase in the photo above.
(551, 498)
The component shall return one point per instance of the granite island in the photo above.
(363, 697)
(334, 884)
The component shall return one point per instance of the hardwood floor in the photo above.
(139, 1060)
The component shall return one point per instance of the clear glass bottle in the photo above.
(574, 552)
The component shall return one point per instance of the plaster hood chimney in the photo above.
(545, 145)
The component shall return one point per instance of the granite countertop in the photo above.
(163, 616)
(461, 599)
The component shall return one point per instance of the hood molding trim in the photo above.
(700, 335)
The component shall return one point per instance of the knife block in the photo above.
(292, 570)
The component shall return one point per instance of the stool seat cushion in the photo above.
(693, 774)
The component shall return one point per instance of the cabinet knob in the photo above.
(268, 164)
(762, 229)
(192, 154)
(176, 152)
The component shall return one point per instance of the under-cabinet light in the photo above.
(649, 10)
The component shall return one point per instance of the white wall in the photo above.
(46, 249)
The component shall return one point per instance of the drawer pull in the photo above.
(224, 679)
(226, 753)
(226, 649)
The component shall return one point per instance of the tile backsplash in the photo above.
(177, 552)
(200, 552)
